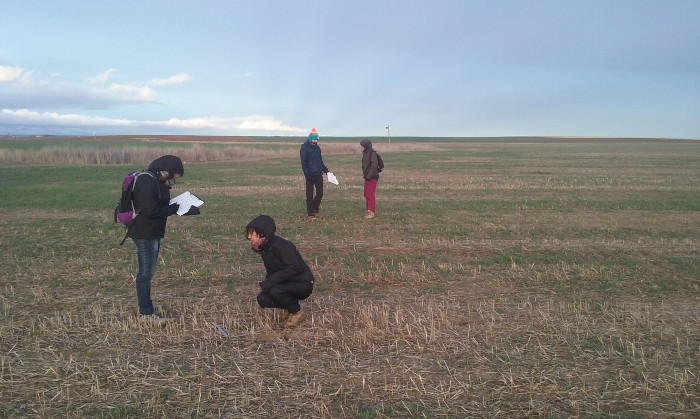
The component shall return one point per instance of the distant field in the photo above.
(502, 277)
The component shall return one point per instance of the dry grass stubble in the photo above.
(452, 352)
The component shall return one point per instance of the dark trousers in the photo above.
(313, 203)
(285, 295)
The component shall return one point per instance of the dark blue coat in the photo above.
(311, 160)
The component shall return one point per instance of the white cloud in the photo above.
(19, 89)
(132, 92)
(9, 73)
(102, 77)
(176, 79)
(28, 117)
(265, 123)
(15, 74)
(250, 124)
(21, 102)
(243, 123)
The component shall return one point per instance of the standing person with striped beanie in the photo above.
(313, 168)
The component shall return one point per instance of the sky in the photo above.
(429, 68)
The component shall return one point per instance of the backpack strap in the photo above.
(125, 236)
(133, 186)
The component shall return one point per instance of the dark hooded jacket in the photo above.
(282, 260)
(370, 163)
(152, 198)
(311, 159)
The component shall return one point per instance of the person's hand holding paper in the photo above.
(189, 203)
(332, 179)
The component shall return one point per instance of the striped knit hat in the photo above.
(313, 135)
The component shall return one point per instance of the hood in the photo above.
(168, 163)
(366, 143)
(264, 223)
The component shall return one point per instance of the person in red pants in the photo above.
(370, 172)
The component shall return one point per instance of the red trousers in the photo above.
(370, 189)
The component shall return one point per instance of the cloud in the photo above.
(28, 117)
(264, 123)
(22, 99)
(250, 125)
(19, 89)
(243, 123)
(134, 91)
(15, 74)
(176, 79)
(130, 92)
(102, 77)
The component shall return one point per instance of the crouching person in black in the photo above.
(288, 278)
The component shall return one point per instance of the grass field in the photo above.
(505, 278)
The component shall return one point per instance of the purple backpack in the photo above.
(126, 211)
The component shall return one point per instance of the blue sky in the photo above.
(626, 68)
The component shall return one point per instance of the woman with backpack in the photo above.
(152, 198)
(370, 172)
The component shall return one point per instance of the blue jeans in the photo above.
(147, 251)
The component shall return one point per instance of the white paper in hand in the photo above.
(186, 201)
(332, 179)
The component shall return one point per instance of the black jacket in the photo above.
(152, 198)
(282, 260)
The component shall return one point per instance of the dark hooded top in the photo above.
(171, 164)
(282, 260)
(370, 163)
(311, 159)
(152, 198)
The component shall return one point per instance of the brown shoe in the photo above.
(318, 215)
(282, 315)
(311, 218)
(369, 215)
(295, 319)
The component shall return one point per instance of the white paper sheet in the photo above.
(332, 179)
(186, 201)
